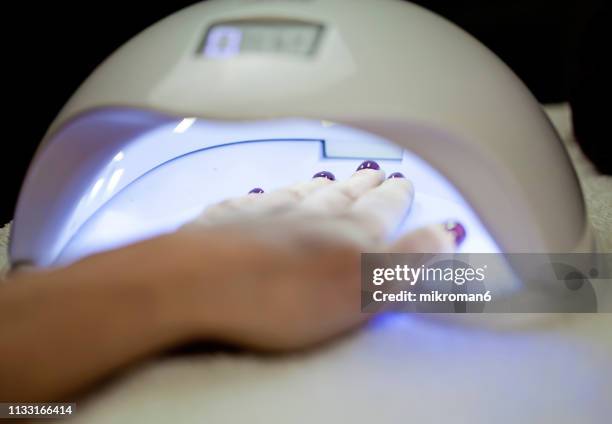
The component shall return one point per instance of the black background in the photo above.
(50, 47)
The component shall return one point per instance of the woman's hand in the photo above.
(287, 263)
(270, 271)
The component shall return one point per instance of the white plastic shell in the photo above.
(386, 67)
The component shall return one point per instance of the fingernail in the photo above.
(369, 164)
(396, 175)
(457, 229)
(325, 174)
(256, 190)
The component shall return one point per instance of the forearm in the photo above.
(64, 329)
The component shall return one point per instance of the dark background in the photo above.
(51, 47)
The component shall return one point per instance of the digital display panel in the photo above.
(283, 37)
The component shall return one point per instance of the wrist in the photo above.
(142, 286)
(191, 280)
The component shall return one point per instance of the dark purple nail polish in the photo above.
(368, 164)
(325, 174)
(256, 190)
(396, 175)
(457, 229)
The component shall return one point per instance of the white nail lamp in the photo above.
(228, 95)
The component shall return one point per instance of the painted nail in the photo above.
(396, 175)
(457, 229)
(325, 174)
(256, 190)
(369, 164)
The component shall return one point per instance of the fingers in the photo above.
(258, 202)
(377, 206)
(381, 210)
(338, 197)
(289, 197)
(227, 210)
(438, 238)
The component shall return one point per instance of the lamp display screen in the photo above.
(233, 38)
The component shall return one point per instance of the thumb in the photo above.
(437, 238)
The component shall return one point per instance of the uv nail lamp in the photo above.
(229, 95)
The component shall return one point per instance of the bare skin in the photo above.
(275, 271)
